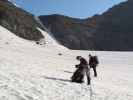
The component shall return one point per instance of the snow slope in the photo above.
(32, 72)
(51, 42)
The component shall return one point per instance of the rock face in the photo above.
(19, 21)
(113, 30)
(70, 32)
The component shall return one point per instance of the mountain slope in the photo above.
(116, 28)
(67, 30)
(110, 31)
(19, 21)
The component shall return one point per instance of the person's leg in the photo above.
(78, 76)
(81, 77)
(75, 75)
(88, 80)
(95, 72)
(88, 76)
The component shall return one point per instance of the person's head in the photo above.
(89, 55)
(78, 57)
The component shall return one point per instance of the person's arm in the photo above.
(90, 61)
(76, 66)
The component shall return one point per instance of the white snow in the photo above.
(32, 72)
(51, 42)
(13, 2)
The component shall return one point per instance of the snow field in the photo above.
(32, 72)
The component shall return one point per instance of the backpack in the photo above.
(94, 59)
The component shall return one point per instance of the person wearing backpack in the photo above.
(93, 62)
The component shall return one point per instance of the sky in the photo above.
(72, 8)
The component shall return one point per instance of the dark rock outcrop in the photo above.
(19, 21)
(68, 31)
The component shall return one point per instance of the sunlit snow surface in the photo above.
(32, 72)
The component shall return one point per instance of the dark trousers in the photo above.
(95, 72)
(78, 75)
(94, 69)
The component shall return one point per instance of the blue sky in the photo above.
(72, 8)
